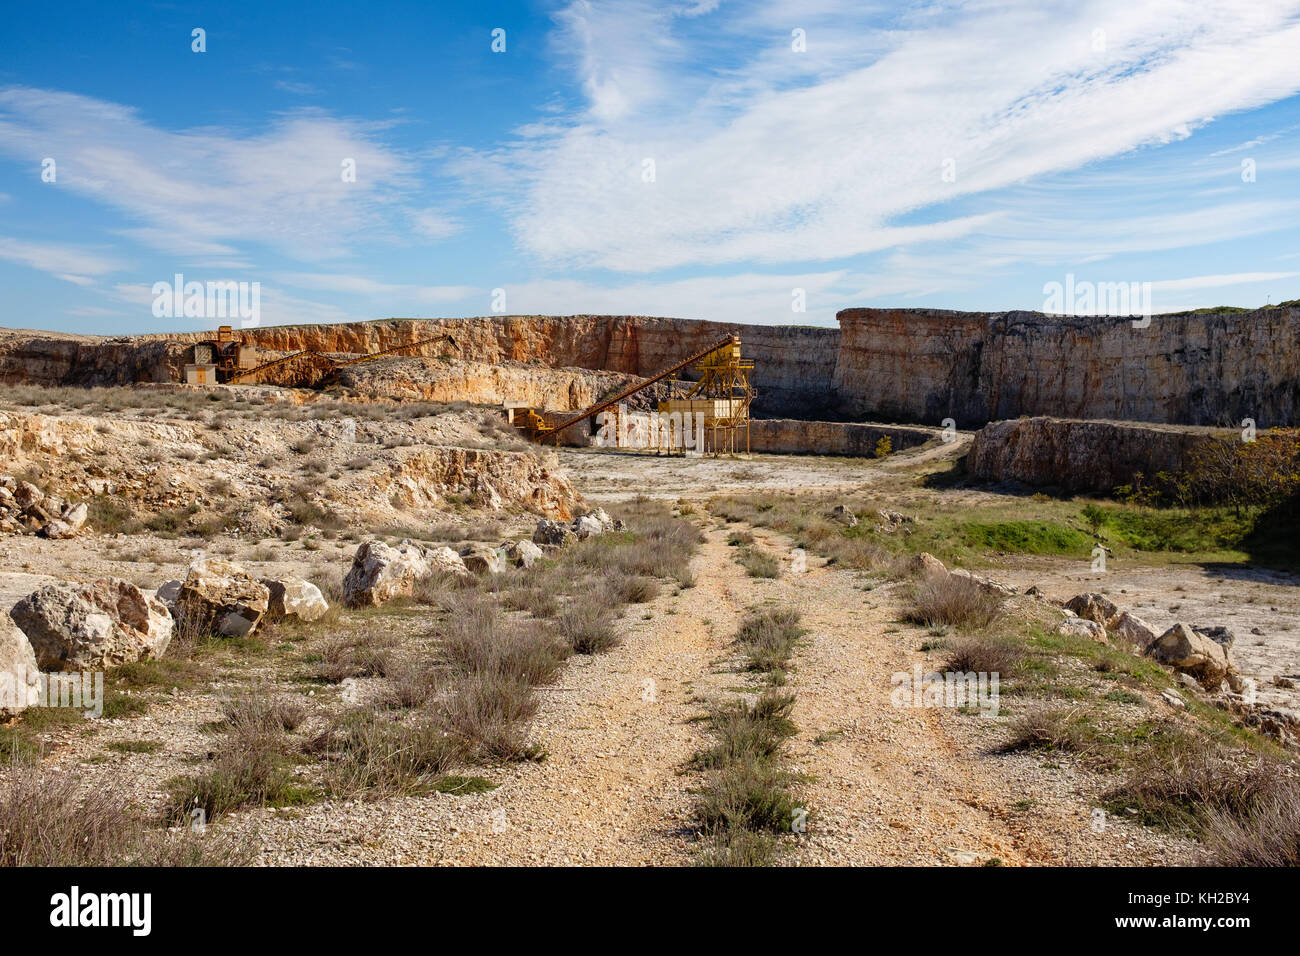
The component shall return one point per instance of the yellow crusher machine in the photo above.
(717, 404)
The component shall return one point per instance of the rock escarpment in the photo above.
(924, 365)
(793, 373)
(1081, 455)
(857, 439)
(897, 365)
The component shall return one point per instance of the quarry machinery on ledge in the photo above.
(717, 405)
(229, 360)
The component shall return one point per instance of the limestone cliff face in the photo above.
(482, 383)
(794, 364)
(1092, 456)
(924, 365)
(900, 365)
(856, 439)
(49, 358)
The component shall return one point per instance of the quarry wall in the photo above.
(915, 366)
(857, 439)
(1092, 456)
(924, 365)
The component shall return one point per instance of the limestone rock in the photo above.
(1185, 650)
(521, 553)
(1134, 630)
(75, 515)
(445, 561)
(167, 592)
(1093, 607)
(19, 676)
(1217, 633)
(843, 515)
(980, 366)
(480, 560)
(220, 597)
(91, 626)
(294, 597)
(588, 525)
(27, 494)
(381, 572)
(996, 588)
(552, 533)
(893, 520)
(925, 565)
(1082, 627)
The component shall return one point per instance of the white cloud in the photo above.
(772, 156)
(209, 192)
(434, 224)
(276, 307)
(297, 87)
(334, 282)
(66, 262)
(1216, 281)
(752, 298)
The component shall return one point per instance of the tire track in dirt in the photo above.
(618, 729)
(914, 786)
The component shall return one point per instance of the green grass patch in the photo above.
(1027, 537)
(1182, 530)
(457, 784)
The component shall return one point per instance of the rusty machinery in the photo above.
(228, 359)
(722, 395)
(216, 359)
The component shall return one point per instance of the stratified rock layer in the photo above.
(925, 365)
(900, 365)
(1082, 456)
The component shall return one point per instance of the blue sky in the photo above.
(953, 155)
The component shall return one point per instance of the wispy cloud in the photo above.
(67, 262)
(334, 282)
(212, 192)
(777, 156)
(1218, 281)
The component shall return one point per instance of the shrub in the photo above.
(261, 713)
(370, 656)
(984, 656)
(1050, 730)
(1200, 786)
(250, 769)
(476, 640)
(759, 564)
(376, 753)
(749, 794)
(47, 819)
(768, 638)
(742, 730)
(586, 624)
(1267, 835)
(487, 714)
(953, 600)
